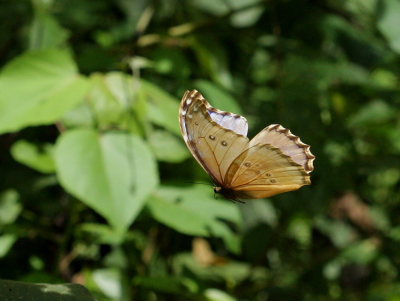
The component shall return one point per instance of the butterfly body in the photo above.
(274, 161)
(227, 193)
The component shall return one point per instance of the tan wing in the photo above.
(291, 145)
(215, 138)
(262, 171)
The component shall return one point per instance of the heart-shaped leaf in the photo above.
(112, 173)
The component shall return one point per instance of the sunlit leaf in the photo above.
(113, 173)
(36, 157)
(213, 294)
(6, 243)
(249, 16)
(51, 87)
(10, 207)
(109, 282)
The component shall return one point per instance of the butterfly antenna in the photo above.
(238, 201)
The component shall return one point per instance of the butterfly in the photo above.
(273, 162)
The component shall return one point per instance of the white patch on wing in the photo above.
(231, 122)
(216, 116)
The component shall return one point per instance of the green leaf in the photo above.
(371, 114)
(39, 88)
(389, 23)
(259, 211)
(165, 284)
(167, 147)
(163, 108)
(169, 61)
(362, 252)
(213, 294)
(215, 7)
(109, 282)
(340, 233)
(300, 229)
(384, 79)
(249, 16)
(218, 98)
(112, 99)
(15, 290)
(103, 234)
(10, 207)
(113, 173)
(194, 211)
(45, 31)
(39, 158)
(232, 272)
(6, 243)
(212, 57)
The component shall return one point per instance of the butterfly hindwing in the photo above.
(265, 170)
(289, 144)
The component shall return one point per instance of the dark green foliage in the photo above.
(98, 187)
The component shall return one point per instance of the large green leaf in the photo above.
(39, 88)
(113, 173)
(15, 290)
(194, 211)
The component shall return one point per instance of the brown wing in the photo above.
(263, 171)
(214, 146)
(289, 144)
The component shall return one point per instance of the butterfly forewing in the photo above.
(214, 146)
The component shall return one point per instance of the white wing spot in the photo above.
(189, 101)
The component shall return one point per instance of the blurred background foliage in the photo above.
(99, 189)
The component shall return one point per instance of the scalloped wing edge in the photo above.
(309, 166)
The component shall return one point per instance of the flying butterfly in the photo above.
(273, 162)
